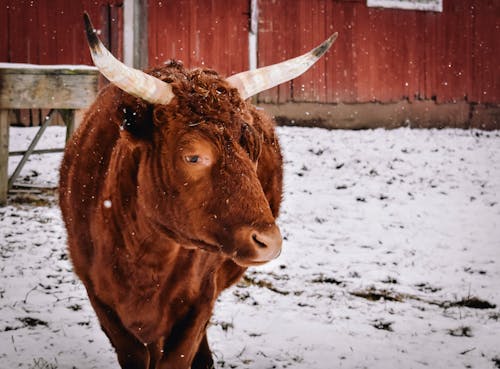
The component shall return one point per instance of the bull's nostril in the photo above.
(258, 242)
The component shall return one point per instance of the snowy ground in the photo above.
(391, 260)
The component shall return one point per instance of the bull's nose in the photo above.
(263, 244)
(269, 240)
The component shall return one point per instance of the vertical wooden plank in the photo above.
(94, 8)
(397, 54)
(205, 24)
(4, 35)
(237, 28)
(348, 80)
(314, 82)
(59, 36)
(339, 58)
(330, 27)
(266, 31)
(264, 27)
(420, 54)
(303, 85)
(193, 49)
(80, 55)
(4, 155)
(458, 60)
(68, 116)
(451, 45)
(116, 26)
(469, 35)
(45, 40)
(202, 34)
(302, 34)
(33, 25)
(321, 70)
(486, 71)
(311, 85)
(47, 34)
(366, 48)
(62, 36)
(412, 76)
(152, 42)
(153, 31)
(429, 52)
(289, 43)
(16, 48)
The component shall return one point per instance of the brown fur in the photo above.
(153, 238)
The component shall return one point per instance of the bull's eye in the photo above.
(192, 158)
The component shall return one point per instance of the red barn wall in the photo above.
(385, 55)
(381, 55)
(51, 31)
(210, 33)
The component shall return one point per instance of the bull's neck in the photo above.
(143, 240)
(121, 208)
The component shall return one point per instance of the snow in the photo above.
(72, 67)
(388, 234)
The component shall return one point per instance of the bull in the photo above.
(169, 190)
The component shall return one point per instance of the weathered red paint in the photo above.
(381, 55)
(200, 33)
(29, 33)
(385, 54)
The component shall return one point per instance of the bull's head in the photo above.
(210, 189)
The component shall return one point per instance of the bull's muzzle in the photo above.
(258, 245)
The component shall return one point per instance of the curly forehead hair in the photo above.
(202, 94)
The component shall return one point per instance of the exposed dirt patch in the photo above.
(32, 322)
(252, 281)
(329, 280)
(426, 287)
(470, 302)
(460, 332)
(376, 295)
(383, 325)
(35, 197)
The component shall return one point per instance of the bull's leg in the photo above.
(132, 354)
(203, 358)
(185, 341)
(155, 353)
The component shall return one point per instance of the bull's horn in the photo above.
(252, 82)
(130, 80)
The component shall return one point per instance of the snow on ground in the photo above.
(391, 260)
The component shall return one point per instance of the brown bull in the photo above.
(169, 190)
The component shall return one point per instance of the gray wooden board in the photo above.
(47, 87)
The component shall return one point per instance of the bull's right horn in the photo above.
(252, 82)
(130, 80)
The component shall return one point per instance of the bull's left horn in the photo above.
(252, 82)
(130, 80)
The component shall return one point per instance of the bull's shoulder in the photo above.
(87, 156)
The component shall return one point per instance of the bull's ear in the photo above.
(137, 121)
(251, 141)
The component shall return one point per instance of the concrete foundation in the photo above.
(416, 114)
